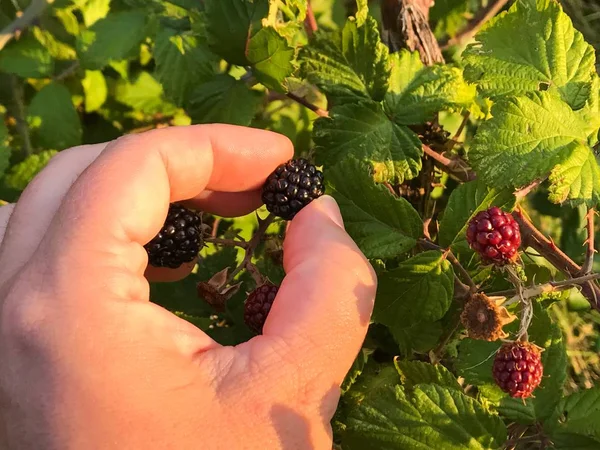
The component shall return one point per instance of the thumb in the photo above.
(323, 307)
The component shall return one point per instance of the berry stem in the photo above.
(524, 191)
(252, 245)
(427, 244)
(227, 242)
(527, 307)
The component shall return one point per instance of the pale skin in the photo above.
(88, 362)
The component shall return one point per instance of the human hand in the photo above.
(89, 363)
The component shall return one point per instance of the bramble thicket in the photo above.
(460, 139)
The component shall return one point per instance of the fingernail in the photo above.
(331, 208)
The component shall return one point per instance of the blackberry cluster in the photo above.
(257, 306)
(291, 187)
(495, 235)
(518, 368)
(178, 242)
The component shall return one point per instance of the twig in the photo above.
(252, 245)
(35, 9)
(462, 126)
(551, 286)
(22, 127)
(588, 265)
(314, 108)
(67, 72)
(532, 237)
(452, 167)
(524, 191)
(427, 244)
(226, 242)
(474, 25)
(310, 23)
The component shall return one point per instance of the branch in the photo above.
(67, 72)
(524, 191)
(314, 108)
(588, 265)
(454, 167)
(533, 238)
(475, 24)
(252, 245)
(310, 23)
(22, 127)
(35, 9)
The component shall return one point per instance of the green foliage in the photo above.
(519, 107)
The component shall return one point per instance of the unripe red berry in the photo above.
(495, 236)
(518, 368)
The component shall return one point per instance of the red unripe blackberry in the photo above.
(291, 187)
(257, 306)
(495, 235)
(518, 368)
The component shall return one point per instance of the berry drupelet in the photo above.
(495, 235)
(257, 306)
(291, 187)
(178, 242)
(518, 368)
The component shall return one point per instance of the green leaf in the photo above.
(382, 225)
(94, 87)
(53, 118)
(111, 39)
(421, 336)
(21, 174)
(448, 17)
(429, 417)
(418, 372)
(527, 138)
(417, 92)
(356, 370)
(26, 58)
(224, 100)
(420, 289)
(349, 63)
(576, 420)
(531, 47)
(365, 132)
(145, 94)
(236, 33)
(4, 147)
(182, 63)
(465, 201)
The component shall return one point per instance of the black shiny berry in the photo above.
(178, 242)
(291, 187)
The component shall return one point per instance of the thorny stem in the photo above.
(588, 265)
(251, 246)
(33, 11)
(310, 23)
(532, 237)
(22, 127)
(476, 23)
(524, 191)
(453, 167)
(314, 108)
(427, 244)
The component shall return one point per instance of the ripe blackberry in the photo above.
(495, 235)
(484, 318)
(518, 368)
(179, 240)
(291, 187)
(257, 306)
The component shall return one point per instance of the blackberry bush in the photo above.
(465, 167)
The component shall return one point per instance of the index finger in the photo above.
(123, 196)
